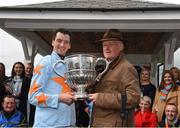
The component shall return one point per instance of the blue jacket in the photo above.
(46, 86)
(14, 121)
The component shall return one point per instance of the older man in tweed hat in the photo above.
(117, 92)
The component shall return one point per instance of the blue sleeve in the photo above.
(38, 94)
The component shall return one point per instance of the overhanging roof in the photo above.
(96, 5)
(144, 24)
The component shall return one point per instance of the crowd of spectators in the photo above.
(14, 91)
(159, 105)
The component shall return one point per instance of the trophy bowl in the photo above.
(81, 73)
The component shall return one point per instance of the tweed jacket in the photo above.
(121, 77)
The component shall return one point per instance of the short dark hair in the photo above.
(61, 30)
(9, 96)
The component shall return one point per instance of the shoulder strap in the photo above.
(123, 104)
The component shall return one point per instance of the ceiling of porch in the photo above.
(86, 42)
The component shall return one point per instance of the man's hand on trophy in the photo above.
(67, 98)
(93, 97)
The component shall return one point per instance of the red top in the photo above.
(147, 119)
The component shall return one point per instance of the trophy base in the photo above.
(81, 96)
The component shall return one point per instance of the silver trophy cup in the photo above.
(81, 72)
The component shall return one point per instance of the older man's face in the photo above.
(144, 105)
(9, 104)
(171, 112)
(28, 69)
(112, 49)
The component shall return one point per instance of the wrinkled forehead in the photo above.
(117, 42)
(171, 107)
(7, 99)
(144, 101)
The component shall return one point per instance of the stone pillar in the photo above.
(30, 49)
(169, 53)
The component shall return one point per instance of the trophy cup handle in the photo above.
(55, 65)
(101, 66)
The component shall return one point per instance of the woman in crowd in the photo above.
(147, 88)
(167, 92)
(14, 84)
(176, 74)
(144, 117)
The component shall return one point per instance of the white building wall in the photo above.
(139, 59)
